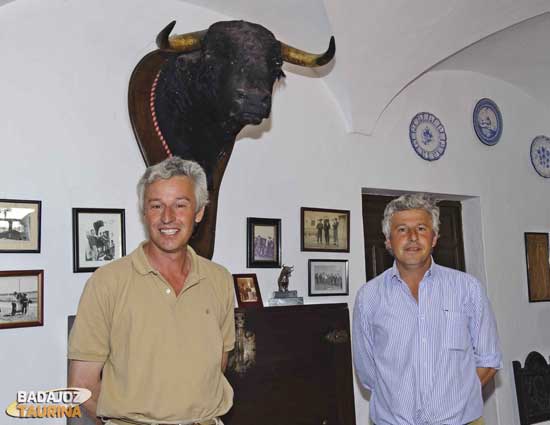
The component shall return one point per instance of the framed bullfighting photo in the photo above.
(324, 230)
(247, 290)
(328, 277)
(21, 298)
(263, 242)
(19, 226)
(98, 237)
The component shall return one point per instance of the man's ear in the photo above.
(434, 242)
(199, 215)
(388, 244)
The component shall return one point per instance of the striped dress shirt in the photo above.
(419, 360)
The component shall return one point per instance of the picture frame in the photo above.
(263, 247)
(20, 225)
(324, 230)
(538, 266)
(99, 237)
(247, 290)
(328, 277)
(21, 298)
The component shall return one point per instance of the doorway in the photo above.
(448, 252)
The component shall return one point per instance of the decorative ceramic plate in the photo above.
(540, 155)
(428, 137)
(487, 122)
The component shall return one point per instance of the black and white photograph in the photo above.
(328, 277)
(21, 298)
(20, 226)
(324, 230)
(98, 237)
(263, 242)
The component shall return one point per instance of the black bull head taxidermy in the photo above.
(192, 96)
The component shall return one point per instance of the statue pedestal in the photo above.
(285, 298)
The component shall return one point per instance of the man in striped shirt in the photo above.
(424, 336)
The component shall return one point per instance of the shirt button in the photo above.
(168, 291)
(423, 339)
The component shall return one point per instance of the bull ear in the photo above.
(179, 43)
(299, 57)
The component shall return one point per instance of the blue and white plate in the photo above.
(487, 122)
(427, 136)
(540, 155)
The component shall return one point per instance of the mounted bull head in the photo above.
(193, 96)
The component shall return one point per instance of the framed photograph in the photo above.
(20, 225)
(324, 230)
(98, 237)
(328, 277)
(263, 244)
(538, 266)
(21, 298)
(247, 290)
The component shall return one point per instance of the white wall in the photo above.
(66, 140)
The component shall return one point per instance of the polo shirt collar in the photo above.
(143, 267)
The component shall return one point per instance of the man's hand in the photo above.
(87, 375)
(485, 374)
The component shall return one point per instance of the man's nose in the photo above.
(413, 235)
(167, 215)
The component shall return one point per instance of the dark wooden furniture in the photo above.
(533, 389)
(291, 366)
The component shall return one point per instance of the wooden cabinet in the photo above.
(292, 365)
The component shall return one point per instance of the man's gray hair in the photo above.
(174, 167)
(414, 201)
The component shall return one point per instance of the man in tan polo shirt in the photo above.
(154, 328)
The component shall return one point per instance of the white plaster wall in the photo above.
(66, 140)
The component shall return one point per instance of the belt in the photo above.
(124, 421)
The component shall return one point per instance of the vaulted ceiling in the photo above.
(383, 46)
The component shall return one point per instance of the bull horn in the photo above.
(179, 43)
(299, 57)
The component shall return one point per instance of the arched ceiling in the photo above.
(517, 55)
(381, 46)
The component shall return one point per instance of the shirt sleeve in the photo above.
(362, 344)
(228, 321)
(89, 337)
(483, 330)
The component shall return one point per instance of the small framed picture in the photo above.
(98, 237)
(263, 242)
(247, 290)
(538, 266)
(20, 225)
(328, 277)
(324, 230)
(21, 298)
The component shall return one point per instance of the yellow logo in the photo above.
(57, 403)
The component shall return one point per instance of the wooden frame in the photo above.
(328, 277)
(263, 242)
(20, 225)
(98, 237)
(538, 266)
(324, 230)
(21, 298)
(247, 290)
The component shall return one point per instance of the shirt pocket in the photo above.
(457, 336)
